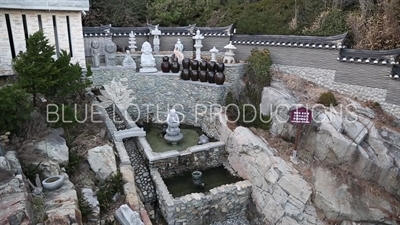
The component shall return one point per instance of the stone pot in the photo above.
(196, 175)
(175, 67)
(186, 63)
(203, 65)
(53, 182)
(194, 75)
(219, 78)
(185, 74)
(203, 75)
(165, 65)
(211, 77)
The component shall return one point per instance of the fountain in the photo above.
(173, 133)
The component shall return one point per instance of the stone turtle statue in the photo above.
(203, 139)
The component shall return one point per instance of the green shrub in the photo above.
(248, 112)
(108, 188)
(63, 116)
(327, 99)
(15, 108)
(333, 23)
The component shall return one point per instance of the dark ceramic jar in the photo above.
(203, 75)
(194, 75)
(211, 77)
(175, 67)
(194, 64)
(165, 65)
(203, 65)
(186, 63)
(219, 78)
(212, 66)
(185, 74)
(220, 67)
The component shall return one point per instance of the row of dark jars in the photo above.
(194, 70)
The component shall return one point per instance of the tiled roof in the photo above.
(187, 30)
(115, 31)
(217, 31)
(331, 42)
(387, 57)
(395, 71)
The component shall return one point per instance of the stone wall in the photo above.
(198, 208)
(48, 29)
(159, 92)
(200, 157)
(326, 78)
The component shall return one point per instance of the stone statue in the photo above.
(38, 189)
(174, 134)
(147, 61)
(95, 51)
(179, 55)
(173, 122)
(126, 216)
(203, 139)
(110, 54)
(128, 61)
(156, 43)
(179, 45)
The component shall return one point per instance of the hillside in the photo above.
(372, 24)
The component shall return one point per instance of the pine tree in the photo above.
(36, 65)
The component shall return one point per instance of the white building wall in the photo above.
(33, 26)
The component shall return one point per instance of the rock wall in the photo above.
(279, 192)
(158, 92)
(198, 208)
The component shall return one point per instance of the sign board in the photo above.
(301, 115)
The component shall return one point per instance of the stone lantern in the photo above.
(228, 58)
(198, 44)
(214, 52)
(132, 42)
(156, 39)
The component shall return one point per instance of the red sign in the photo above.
(301, 115)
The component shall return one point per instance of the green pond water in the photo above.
(182, 185)
(159, 144)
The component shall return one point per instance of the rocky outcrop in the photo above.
(342, 200)
(345, 136)
(15, 207)
(279, 192)
(102, 161)
(62, 205)
(55, 147)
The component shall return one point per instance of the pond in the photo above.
(158, 144)
(182, 185)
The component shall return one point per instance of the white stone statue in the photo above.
(147, 61)
(132, 41)
(179, 45)
(128, 61)
(173, 133)
(126, 216)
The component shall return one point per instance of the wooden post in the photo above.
(296, 141)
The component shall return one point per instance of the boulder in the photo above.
(102, 161)
(54, 147)
(93, 202)
(62, 204)
(349, 201)
(126, 216)
(15, 207)
(278, 190)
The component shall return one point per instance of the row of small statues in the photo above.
(110, 54)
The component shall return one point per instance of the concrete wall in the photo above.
(197, 208)
(33, 26)
(63, 5)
